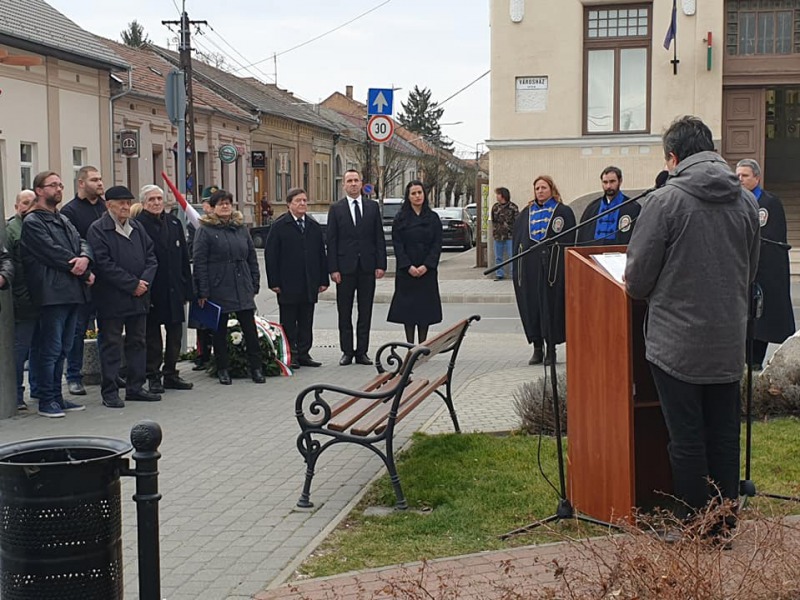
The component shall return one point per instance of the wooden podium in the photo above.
(616, 436)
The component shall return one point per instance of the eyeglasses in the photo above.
(59, 186)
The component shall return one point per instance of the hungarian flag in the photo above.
(673, 26)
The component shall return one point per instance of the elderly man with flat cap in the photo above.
(125, 265)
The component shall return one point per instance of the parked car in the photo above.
(457, 227)
(322, 219)
(472, 210)
(259, 234)
(391, 206)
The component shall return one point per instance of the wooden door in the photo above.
(743, 119)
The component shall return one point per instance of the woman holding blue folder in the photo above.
(226, 274)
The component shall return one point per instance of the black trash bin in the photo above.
(60, 519)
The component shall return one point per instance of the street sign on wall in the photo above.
(228, 153)
(380, 101)
(380, 128)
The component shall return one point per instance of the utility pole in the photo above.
(186, 66)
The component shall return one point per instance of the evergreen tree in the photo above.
(421, 115)
(134, 36)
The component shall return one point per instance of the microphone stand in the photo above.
(565, 510)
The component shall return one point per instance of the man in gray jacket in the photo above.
(693, 256)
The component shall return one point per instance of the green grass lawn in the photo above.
(465, 490)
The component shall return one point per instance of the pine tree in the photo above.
(421, 115)
(134, 36)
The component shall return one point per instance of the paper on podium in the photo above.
(614, 263)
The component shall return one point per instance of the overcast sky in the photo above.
(439, 44)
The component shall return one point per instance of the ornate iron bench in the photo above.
(368, 416)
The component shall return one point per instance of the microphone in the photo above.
(661, 178)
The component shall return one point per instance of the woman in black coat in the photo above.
(417, 241)
(226, 273)
(539, 275)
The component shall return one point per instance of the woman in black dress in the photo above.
(417, 241)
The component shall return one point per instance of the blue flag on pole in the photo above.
(673, 26)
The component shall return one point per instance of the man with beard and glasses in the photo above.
(57, 263)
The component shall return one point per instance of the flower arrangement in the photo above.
(275, 353)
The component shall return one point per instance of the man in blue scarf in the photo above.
(616, 225)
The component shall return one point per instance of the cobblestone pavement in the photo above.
(231, 474)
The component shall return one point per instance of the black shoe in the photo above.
(537, 357)
(224, 377)
(295, 365)
(113, 402)
(547, 358)
(346, 359)
(155, 386)
(257, 376)
(363, 359)
(309, 362)
(142, 396)
(76, 388)
(174, 382)
(121, 383)
(200, 366)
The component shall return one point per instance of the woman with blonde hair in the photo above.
(539, 275)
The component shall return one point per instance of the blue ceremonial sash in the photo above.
(606, 226)
(540, 218)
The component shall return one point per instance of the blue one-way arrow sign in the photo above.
(379, 101)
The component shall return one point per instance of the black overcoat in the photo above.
(225, 263)
(777, 320)
(625, 224)
(295, 260)
(417, 241)
(539, 277)
(119, 264)
(172, 286)
(6, 268)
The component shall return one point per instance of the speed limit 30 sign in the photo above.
(380, 128)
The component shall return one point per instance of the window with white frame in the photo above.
(78, 160)
(26, 165)
(617, 40)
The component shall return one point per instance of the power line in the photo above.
(470, 84)
(226, 55)
(320, 36)
(239, 53)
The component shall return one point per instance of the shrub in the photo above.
(533, 403)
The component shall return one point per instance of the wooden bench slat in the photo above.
(373, 384)
(418, 398)
(381, 413)
(441, 341)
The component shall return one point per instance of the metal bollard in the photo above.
(146, 438)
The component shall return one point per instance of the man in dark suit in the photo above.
(297, 272)
(356, 258)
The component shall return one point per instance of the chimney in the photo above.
(348, 91)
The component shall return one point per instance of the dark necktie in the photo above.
(301, 224)
(358, 212)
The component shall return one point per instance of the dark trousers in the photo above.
(56, 332)
(85, 317)
(111, 344)
(247, 321)
(759, 353)
(156, 350)
(703, 424)
(298, 320)
(25, 335)
(361, 283)
(205, 343)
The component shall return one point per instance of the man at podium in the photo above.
(693, 256)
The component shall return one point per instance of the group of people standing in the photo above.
(697, 249)
(301, 264)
